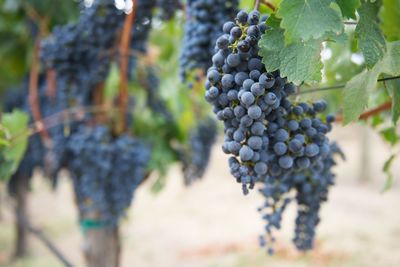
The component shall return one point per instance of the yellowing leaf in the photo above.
(390, 19)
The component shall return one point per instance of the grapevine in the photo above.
(97, 90)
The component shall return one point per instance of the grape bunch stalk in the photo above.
(270, 138)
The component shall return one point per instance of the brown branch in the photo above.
(268, 4)
(124, 49)
(33, 93)
(51, 77)
(385, 106)
(256, 4)
(33, 14)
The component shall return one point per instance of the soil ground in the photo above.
(212, 225)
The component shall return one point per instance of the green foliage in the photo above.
(370, 37)
(348, 8)
(20, 22)
(297, 61)
(359, 88)
(356, 94)
(393, 88)
(389, 135)
(386, 169)
(339, 68)
(390, 17)
(13, 142)
(308, 19)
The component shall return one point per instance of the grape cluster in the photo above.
(168, 8)
(271, 138)
(81, 53)
(154, 99)
(200, 33)
(105, 171)
(311, 188)
(195, 161)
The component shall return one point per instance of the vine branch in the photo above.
(256, 4)
(51, 77)
(124, 61)
(33, 92)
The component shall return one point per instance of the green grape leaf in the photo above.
(15, 126)
(390, 135)
(308, 19)
(370, 37)
(377, 120)
(357, 90)
(299, 62)
(340, 38)
(4, 142)
(390, 63)
(393, 88)
(390, 16)
(348, 8)
(386, 170)
(356, 94)
(271, 43)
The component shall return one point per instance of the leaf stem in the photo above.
(350, 22)
(339, 86)
(268, 4)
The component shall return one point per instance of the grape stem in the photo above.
(268, 4)
(256, 4)
(124, 49)
(350, 22)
